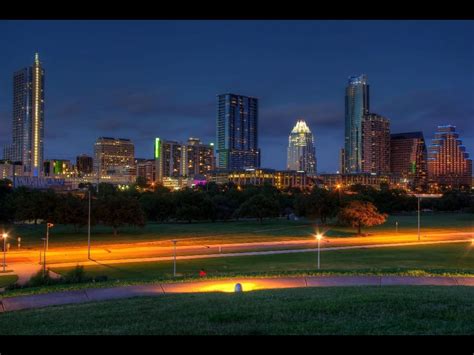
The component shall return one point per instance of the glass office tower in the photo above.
(237, 132)
(356, 107)
(301, 150)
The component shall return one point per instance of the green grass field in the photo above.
(243, 231)
(6, 280)
(391, 310)
(448, 258)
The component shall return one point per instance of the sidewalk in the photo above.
(226, 285)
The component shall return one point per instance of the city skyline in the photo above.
(437, 93)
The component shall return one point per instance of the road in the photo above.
(25, 263)
(224, 285)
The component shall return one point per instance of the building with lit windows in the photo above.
(356, 108)
(146, 169)
(28, 119)
(58, 168)
(84, 164)
(281, 179)
(342, 161)
(333, 181)
(237, 132)
(449, 165)
(375, 144)
(175, 159)
(114, 160)
(301, 149)
(408, 158)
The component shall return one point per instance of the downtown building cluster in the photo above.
(372, 155)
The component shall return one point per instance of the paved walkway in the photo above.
(225, 285)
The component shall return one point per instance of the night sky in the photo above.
(146, 79)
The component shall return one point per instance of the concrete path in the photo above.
(226, 285)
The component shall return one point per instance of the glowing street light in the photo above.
(48, 225)
(319, 236)
(5, 236)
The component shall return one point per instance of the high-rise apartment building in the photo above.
(28, 119)
(84, 164)
(448, 162)
(408, 158)
(146, 169)
(342, 161)
(114, 157)
(57, 168)
(237, 132)
(301, 150)
(356, 108)
(375, 144)
(175, 159)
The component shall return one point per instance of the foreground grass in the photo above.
(6, 280)
(345, 310)
(242, 231)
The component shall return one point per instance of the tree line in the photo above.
(115, 208)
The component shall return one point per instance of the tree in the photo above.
(119, 209)
(360, 214)
(71, 210)
(320, 203)
(259, 206)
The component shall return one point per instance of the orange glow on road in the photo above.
(229, 287)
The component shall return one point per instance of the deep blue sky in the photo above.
(146, 79)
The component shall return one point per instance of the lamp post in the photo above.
(319, 237)
(419, 196)
(174, 263)
(48, 225)
(5, 236)
(44, 256)
(89, 228)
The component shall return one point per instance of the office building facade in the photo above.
(301, 149)
(114, 158)
(84, 164)
(237, 132)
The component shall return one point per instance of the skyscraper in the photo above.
(448, 162)
(237, 132)
(356, 107)
(375, 144)
(28, 119)
(301, 150)
(408, 158)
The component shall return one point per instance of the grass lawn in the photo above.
(352, 310)
(448, 258)
(6, 280)
(243, 231)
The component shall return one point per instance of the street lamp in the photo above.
(420, 196)
(174, 264)
(44, 256)
(48, 225)
(319, 237)
(5, 236)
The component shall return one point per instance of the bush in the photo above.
(76, 275)
(39, 280)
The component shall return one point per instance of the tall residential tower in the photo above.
(356, 107)
(301, 150)
(237, 132)
(28, 119)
